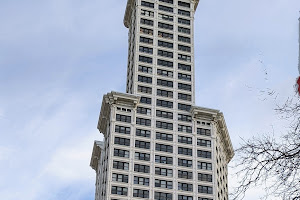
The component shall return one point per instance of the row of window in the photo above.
(162, 160)
(165, 136)
(159, 195)
(168, 35)
(163, 72)
(164, 172)
(166, 8)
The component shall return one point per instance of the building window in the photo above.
(184, 30)
(165, 53)
(183, 86)
(185, 187)
(164, 114)
(144, 79)
(185, 174)
(164, 136)
(164, 125)
(143, 133)
(144, 89)
(146, 31)
(141, 180)
(184, 13)
(162, 103)
(185, 140)
(204, 166)
(184, 48)
(145, 100)
(147, 4)
(184, 107)
(203, 131)
(163, 184)
(164, 93)
(167, 1)
(165, 8)
(145, 111)
(184, 57)
(120, 165)
(148, 22)
(164, 63)
(205, 177)
(120, 178)
(145, 59)
(184, 67)
(203, 143)
(185, 163)
(204, 154)
(201, 198)
(141, 193)
(163, 159)
(184, 39)
(146, 40)
(186, 97)
(122, 141)
(121, 153)
(142, 144)
(165, 44)
(185, 77)
(165, 17)
(185, 151)
(119, 190)
(184, 21)
(147, 13)
(164, 171)
(142, 156)
(184, 4)
(164, 83)
(162, 196)
(122, 129)
(185, 129)
(144, 122)
(185, 118)
(165, 26)
(183, 197)
(205, 189)
(164, 73)
(164, 148)
(146, 50)
(145, 69)
(164, 35)
(123, 118)
(141, 168)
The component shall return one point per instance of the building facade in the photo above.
(158, 144)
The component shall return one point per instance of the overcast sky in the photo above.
(59, 57)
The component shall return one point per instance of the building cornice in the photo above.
(129, 9)
(218, 118)
(97, 149)
(117, 98)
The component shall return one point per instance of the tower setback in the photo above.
(158, 144)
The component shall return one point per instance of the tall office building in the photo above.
(157, 143)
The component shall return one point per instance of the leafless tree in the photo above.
(271, 163)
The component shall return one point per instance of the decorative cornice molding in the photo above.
(114, 98)
(97, 149)
(218, 118)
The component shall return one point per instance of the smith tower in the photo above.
(157, 143)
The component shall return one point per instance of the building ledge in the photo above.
(218, 117)
(117, 98)
(97, 149)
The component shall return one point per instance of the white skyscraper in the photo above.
(157, 143)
